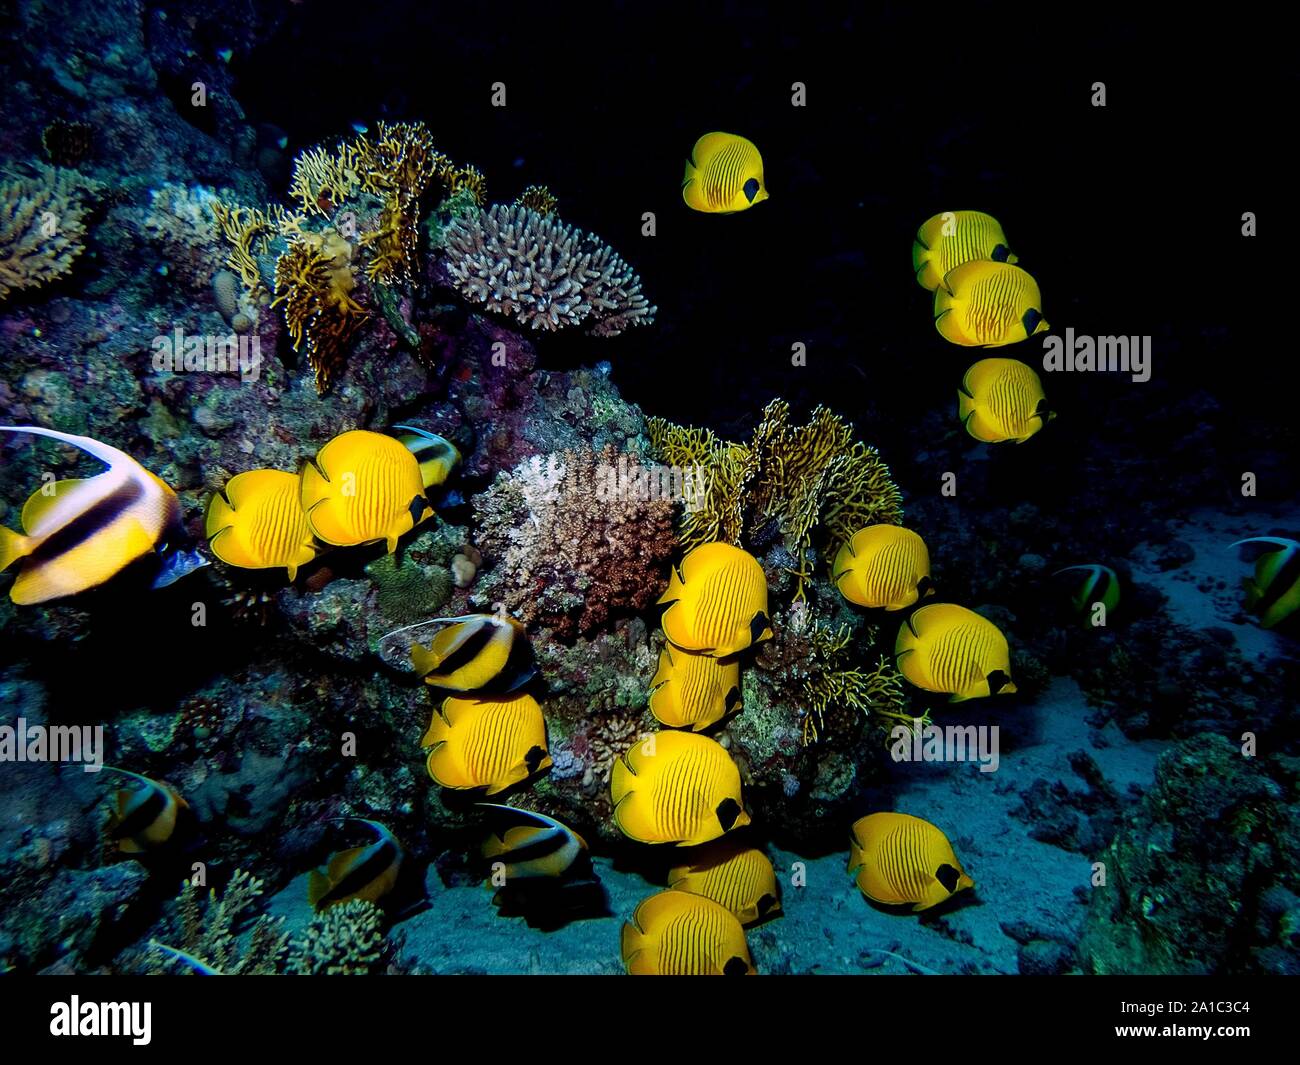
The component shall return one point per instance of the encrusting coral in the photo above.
(314, 282)
(810, 481)
(543, 273)
(573, 539)
(42, 226)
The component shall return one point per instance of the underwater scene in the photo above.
(641, 489)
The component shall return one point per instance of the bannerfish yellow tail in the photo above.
(79, 533)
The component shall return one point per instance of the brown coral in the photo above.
(314, 282)
(572, 539)
(813, 482)
(42, 226)
(543, 273)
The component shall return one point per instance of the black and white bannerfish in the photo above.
(541, 869)
(475, 653)
(367, 872)
(1274, 591)
(79, 533)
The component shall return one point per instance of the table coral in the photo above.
(543, 273)
(566, 548)
(42, 226)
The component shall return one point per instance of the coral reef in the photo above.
(543, 273)
(68, 143)
(346, 940)
(575, 540)
(42, 226)
(1197, 877)
(803, 480)
(314, 281)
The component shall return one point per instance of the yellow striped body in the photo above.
(486, 743)
(948, 240)
(693, 690)
(717, 601)
(733, 875)
(947, 648)
(987, 304)
(675, 933)
(883, 567)
(903, 860)
(257, 522)
(676, 787)
(362, 487)
(1002, 399)
(723, 175)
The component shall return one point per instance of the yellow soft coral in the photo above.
(314, 282)
(877, 693)
(804, 478)
(42, 226)
(323, 178)
(538, 198)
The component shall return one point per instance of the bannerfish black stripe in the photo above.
(87, 524)
(364, 872)
(1281, 582)
(470, 648)
(144, 815)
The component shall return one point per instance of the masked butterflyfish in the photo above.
(883, 566)
(257, 522)
(717, 601)
(1002, 399)
(367, 872)
(675, 933)
(1274, 592)
(987, 304)
(735, 875)
(943, 647)
(80, 532)
(143, 818)
(676, 787)
(436, 455)
(952, 238)
(362, 487)
(479, 652)
(1100, 585)
(723, 175)
(486, 742)
(692, 690)
(902, 860)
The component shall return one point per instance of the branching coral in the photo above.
(573, 539)
(398, 168)
(468, 179)
(876, 693)
(248, 231)
(811, 481)
(543, 273)
(210, 928)
(538, 198)
(345, 940)
(323, 178)
(42, 226)
(314, 282)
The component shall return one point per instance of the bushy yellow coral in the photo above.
(469, 178)
(877, 693)
(314, 282)
(42, 226)
(814, 481)
(537, 198)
